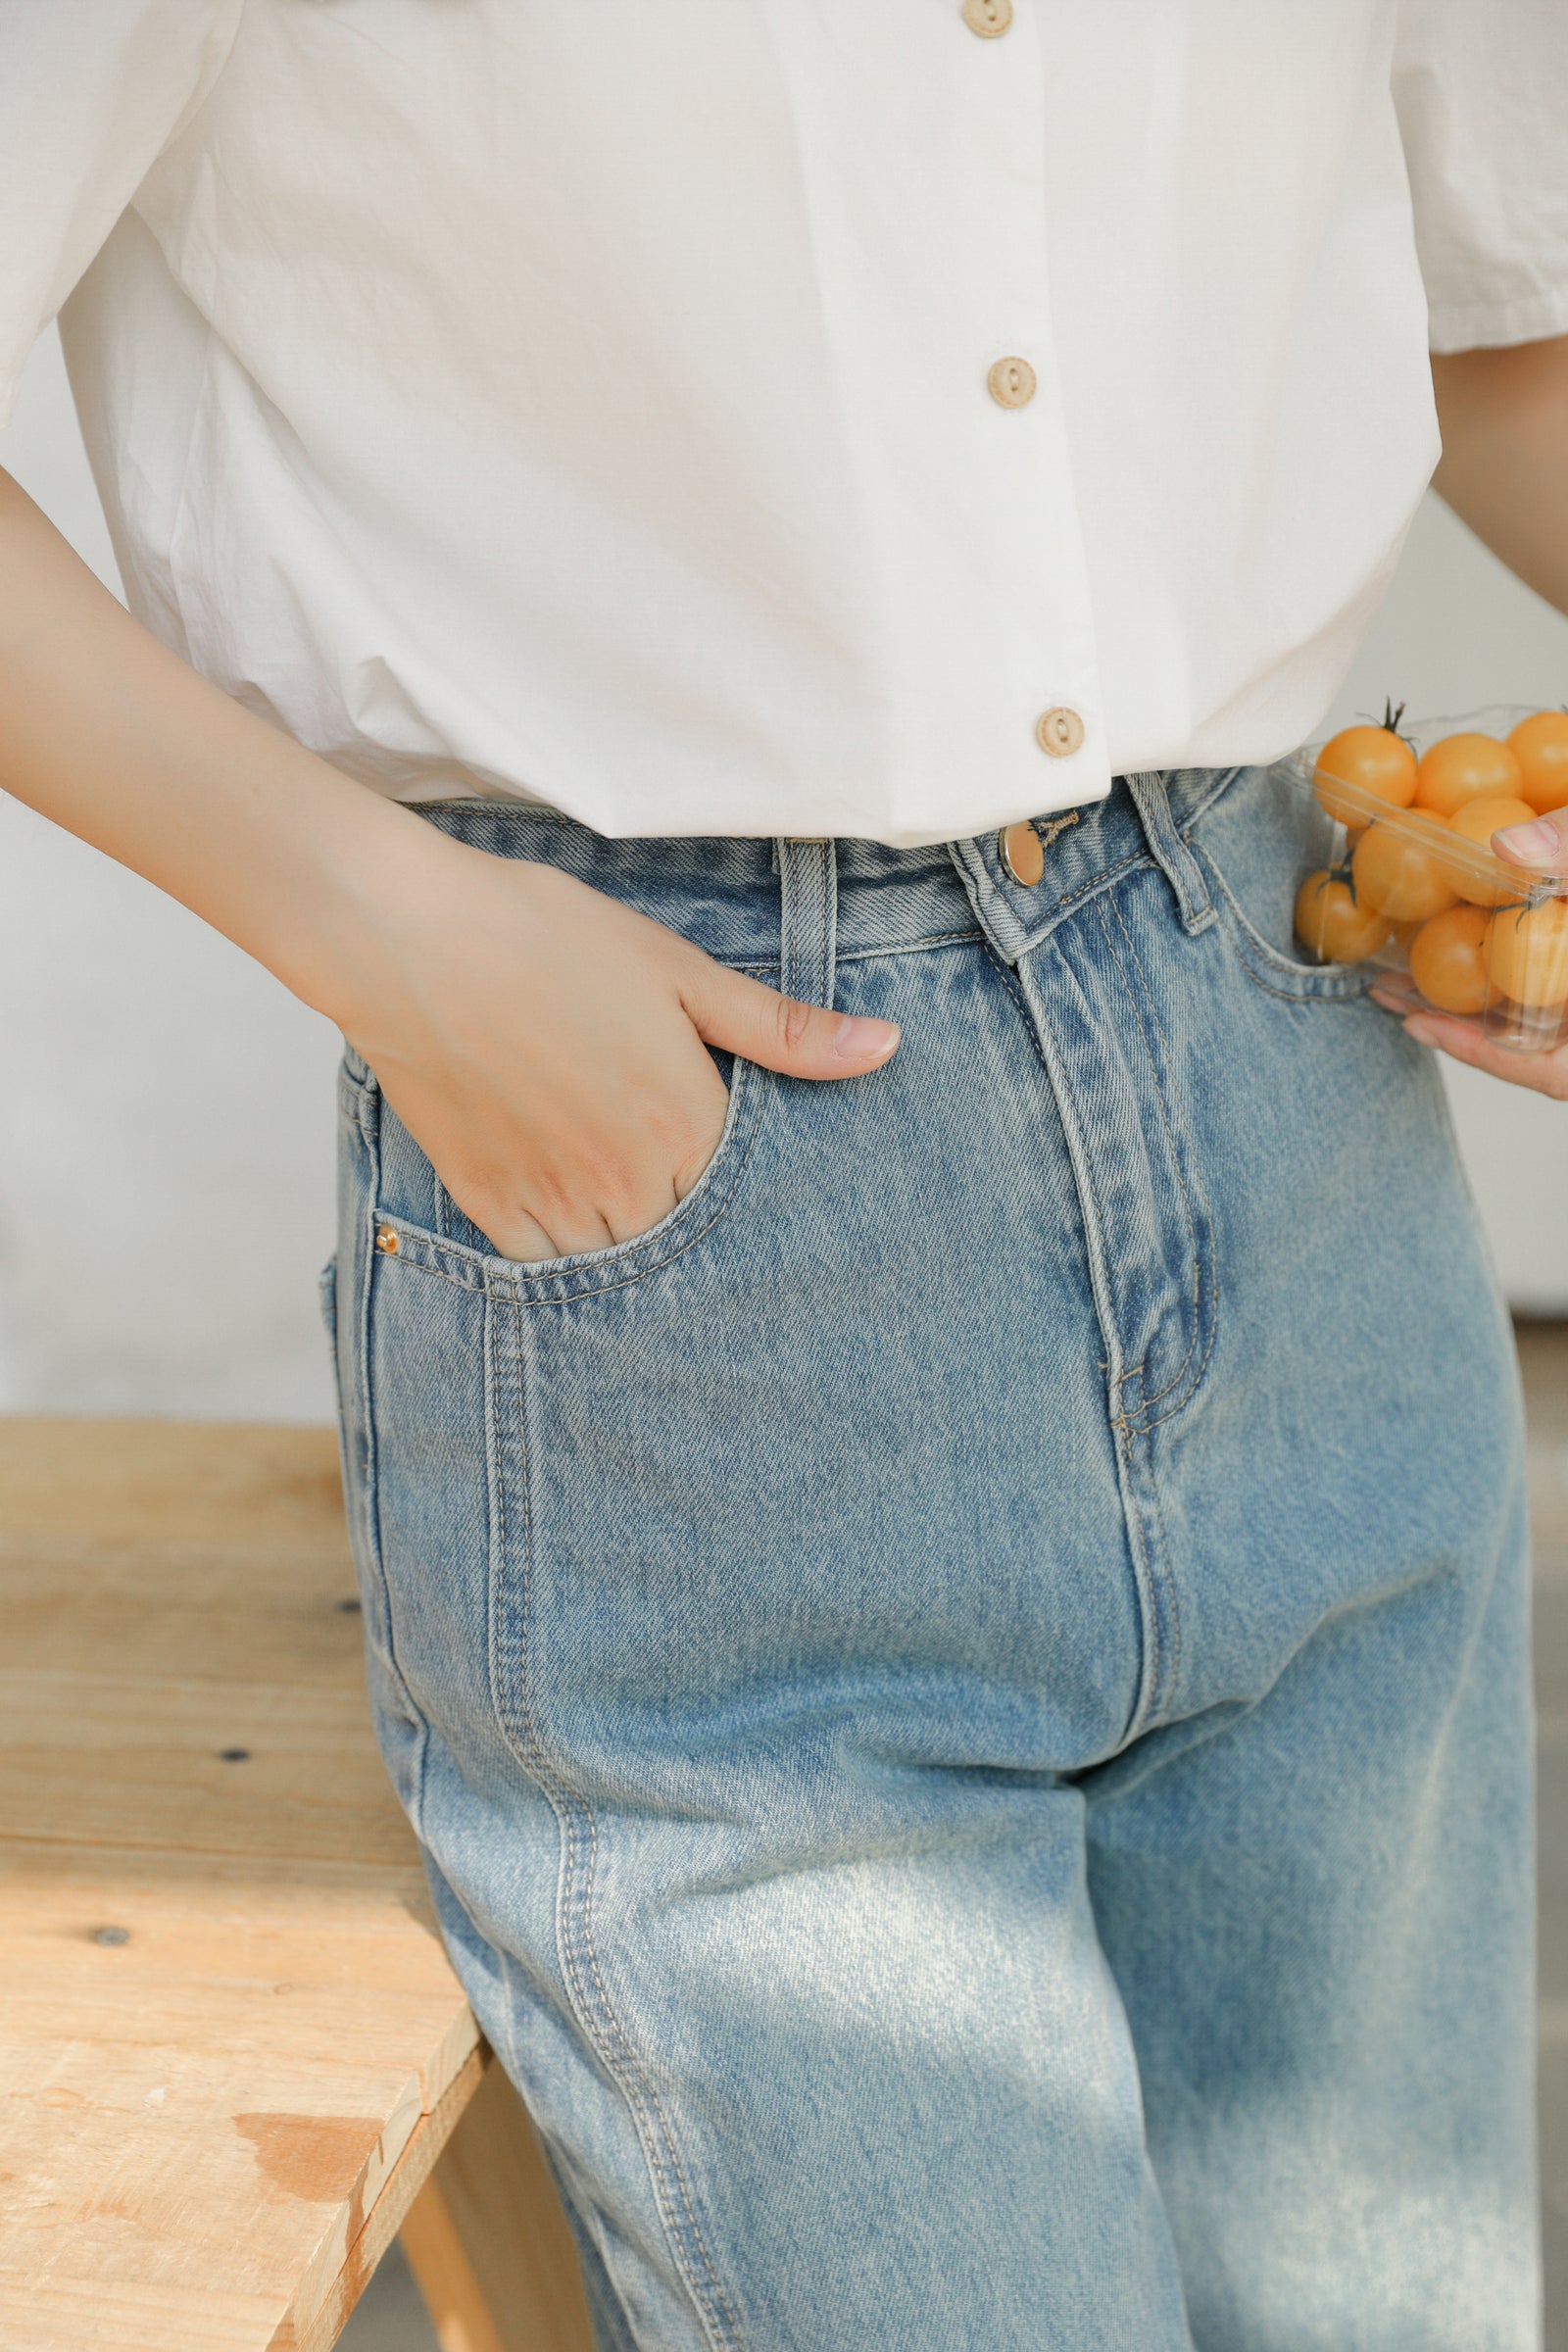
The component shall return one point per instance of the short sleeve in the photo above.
(1481, 92)
(91, 91)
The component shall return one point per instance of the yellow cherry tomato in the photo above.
(1398, 868)
(1376, 760)
(1332, 924)
(1449, 960)
(1527, 953)
(1539, 744)
(1466, 767)
(1477, 821)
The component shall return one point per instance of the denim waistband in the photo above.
(727, 894)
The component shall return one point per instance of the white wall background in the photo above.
(165, 1108)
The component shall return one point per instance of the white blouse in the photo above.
(854, 417)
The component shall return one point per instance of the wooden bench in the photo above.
(233, 2058)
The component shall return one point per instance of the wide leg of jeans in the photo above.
(1311, 1877)
(963, 1701)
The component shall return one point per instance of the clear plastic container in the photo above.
(1415, 891)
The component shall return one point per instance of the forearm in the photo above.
(107, 732)
(1504, 465)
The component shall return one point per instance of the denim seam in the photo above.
(1289, 996)
(603, 2029)
(1147, 1522)
(1089, 1210)
(372, 1489)
(1328, 984)
(493, 1277)
(1151, 1688)
(353, 1100)
(1090, 889)
(720, 2312)
(912, 947)
(1098, 882)
(1222, 785)
(1138, 1369)
(1187, 1200)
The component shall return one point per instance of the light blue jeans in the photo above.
(966, 1696)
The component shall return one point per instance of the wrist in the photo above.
(374, 872)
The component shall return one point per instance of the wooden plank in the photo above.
(488, 2242)
(196, 1613)
(325, 1967)
(221, 2097)
(225, 2015)
(403, 2191)
(262, 1769)
(171, 1482)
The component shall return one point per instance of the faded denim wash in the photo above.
(966, 1696)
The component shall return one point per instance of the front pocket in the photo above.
(431, 1231)
(1253, 846)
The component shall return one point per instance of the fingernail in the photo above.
(861, 1040)
(1535, 843)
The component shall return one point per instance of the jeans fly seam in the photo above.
(1170, 1135)
(1089, 1211)
(1182, 1184)
(604, 2029)
(1154, 1540)
(1096, 882)
(1151, 1688)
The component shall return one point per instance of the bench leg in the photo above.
(487, 2241)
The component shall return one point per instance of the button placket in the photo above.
(1027, 465)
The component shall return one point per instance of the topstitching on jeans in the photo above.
(1310, 984)
(1091, 1217)
(372, 1476)
(1195, 1250)
(469, 1269)
(600, 2023)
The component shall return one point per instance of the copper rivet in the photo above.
(988, 18)
(1022, 853)
(1011, 383)
(1060, 733)
(386, 1241)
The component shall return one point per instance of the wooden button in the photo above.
(1060, 733)
(990, 19)
(1022, 853)
(1012, 383)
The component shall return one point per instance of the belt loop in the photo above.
(1171, 853)
(807, 919)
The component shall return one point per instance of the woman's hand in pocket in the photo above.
(545, 1046)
